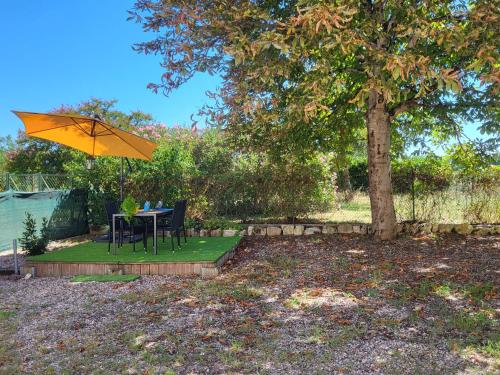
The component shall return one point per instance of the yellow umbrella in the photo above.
(87, 134)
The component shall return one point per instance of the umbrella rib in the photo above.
(125, 131)
(44, 130)
(124, 140)
(81, 117)
(104, 131)
(61, 143)
(80, 127)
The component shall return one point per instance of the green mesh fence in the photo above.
(66, 211)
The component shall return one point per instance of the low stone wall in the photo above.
(310, 229)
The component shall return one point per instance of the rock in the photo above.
(483, 230)
(435, 228)
(215, 233)
(463, 228)
(425, 228)
(330, 229)
(250, 230)
(203, 233)
(229, 233)
(98, 230)
(139, 341)
(361, 229)
(345, 228)
(411, 228)
(298, 230)
(260, 231)
(497, 229)
(151, 345)
(243, 232)
(287, 229)
(209, 272)
(27, 276)
(445, 228)
(273, 231)
(312, 230)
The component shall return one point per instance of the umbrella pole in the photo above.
(121, 181)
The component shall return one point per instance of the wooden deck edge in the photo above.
(61, 269)
(52, 269)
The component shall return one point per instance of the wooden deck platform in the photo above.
(62, 269)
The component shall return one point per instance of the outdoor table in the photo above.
(153, 213)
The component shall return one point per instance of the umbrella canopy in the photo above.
(86, 134)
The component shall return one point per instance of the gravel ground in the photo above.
(309, 305)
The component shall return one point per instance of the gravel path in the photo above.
(315, 305)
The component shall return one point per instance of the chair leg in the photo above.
(163, 233)
(172, 240)
(132, 237)
(118, 234)
(145, 239)
(178, 235)
(185, 237)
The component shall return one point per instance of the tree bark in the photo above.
(379, 167)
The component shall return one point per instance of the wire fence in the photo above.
(418, 196)
(35, 182)
(422, 197)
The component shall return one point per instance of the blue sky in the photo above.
(63, 52)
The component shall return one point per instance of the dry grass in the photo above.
(450, 206)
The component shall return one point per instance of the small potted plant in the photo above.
(129, 207)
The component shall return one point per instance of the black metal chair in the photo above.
(113, 207)
(176, 224)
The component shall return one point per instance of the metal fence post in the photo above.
(413, 192)
(14, 247)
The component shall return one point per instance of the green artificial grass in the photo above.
(104, 278)
(197, 249)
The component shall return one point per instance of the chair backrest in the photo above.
(179, 213)
(111, 208)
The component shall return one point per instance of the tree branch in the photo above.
(403, 107)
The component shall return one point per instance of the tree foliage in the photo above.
(297, 72)
(286, 63)
(201, 166)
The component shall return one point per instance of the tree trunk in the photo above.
(379, 168)
(346, 179)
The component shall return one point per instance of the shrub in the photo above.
(219, 223)
(430, 173)
(32, 242)
(358, 173)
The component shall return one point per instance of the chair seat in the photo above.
(175, 222)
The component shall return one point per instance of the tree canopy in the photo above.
(296, 73)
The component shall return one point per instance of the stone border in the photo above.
(345, 228)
